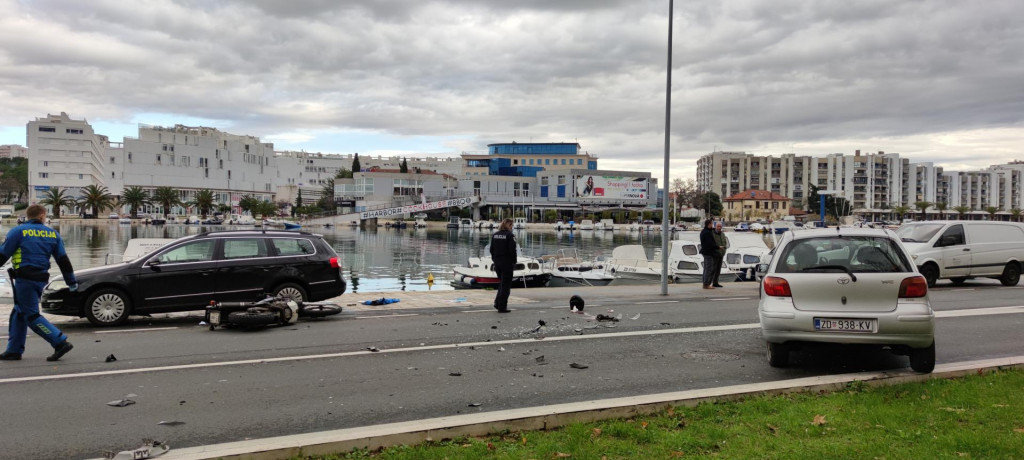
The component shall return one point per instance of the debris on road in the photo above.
(578, 366)
(474, 404)
(203, 323)
(576, 303)
(542, 323)
(540, 360)
(494, 327)
(171, 423)
(602, 318)
(121, 402)
(373, 349)
(111, 358)
(501, 348)
(148, 449)
(666, 324)
(455, 374)
(636, 317)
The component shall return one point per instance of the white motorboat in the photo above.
(479, 273)
(559, 226)
(466, 223)
(453, 222)
(630, 263)
(687, 264)
(485, 225)
(124, 220)
(421, 221)
(605, 225)
(568, 270)
(586, 224)
(746, 250)
(519, 223)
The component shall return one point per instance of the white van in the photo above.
(958, 250)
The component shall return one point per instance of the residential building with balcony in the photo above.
(13, 151)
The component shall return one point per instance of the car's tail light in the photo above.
(913, 287)
(334, 263)
(777, 287)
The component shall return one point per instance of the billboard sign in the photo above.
(611, 187)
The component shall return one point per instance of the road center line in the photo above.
(958, 290)
(730, 298)
(684, 330)
(387, 316)
(658, 301)
(136, 330)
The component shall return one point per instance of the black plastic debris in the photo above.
(576, 303)
(111, 358)
(666, 324)
(373, 349)
(455, 374)
(121, 402)
(540, 360)
(494, 327)
(171, 423)
(542, 323)
(474, 404)
(578, 366)
(601, 317)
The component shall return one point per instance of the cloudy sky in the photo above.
(934, 80)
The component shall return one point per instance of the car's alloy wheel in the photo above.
(291, 291)
(107, 307)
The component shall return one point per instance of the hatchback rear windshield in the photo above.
(858, 254)
(918, 233)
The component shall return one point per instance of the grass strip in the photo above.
(975, 417)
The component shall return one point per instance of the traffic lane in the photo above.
(192, 344)
(272, 399)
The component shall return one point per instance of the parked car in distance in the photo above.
(757, 227)
(959, 250)
(742, 227)
(846, 286)
(190, 272)
(113, 215)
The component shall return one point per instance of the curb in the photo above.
(553, 416)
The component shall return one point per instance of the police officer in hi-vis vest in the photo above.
(503, 254)
(29, 246)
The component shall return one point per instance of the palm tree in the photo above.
(223, 208)
(248, 203)
(204, 201)
(167, 197)
(1016, 214)
(941, 207)
(96, 197)
(900, 211)
(991, 210)
(134, 197)
(922, 206)
(56, 198)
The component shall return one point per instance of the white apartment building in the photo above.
(13, 151)
(64, 153)
(998, 186)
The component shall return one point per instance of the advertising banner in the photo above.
(611, 187)
(389, 212)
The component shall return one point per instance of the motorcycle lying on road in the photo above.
(266, 312)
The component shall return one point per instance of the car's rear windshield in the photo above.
(857, 254)
(918, 233)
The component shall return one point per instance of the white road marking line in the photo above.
(965, 289)
(387, 316)
(136, 330)
(730, 298)
(658, 301)
(684, 330)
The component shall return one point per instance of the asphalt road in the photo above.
(230, 385)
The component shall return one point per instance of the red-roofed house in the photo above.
(756, 204)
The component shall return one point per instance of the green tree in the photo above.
(326, 201)
(356, 167)
(991, 210)
(343, 174)
(134, 197)
(266, 209)
(204, 200)
(922, 206)
(57, 198)
(961, 210)
(900, 211)
(710, 202)
(941, 207)
(298, 203)
(167, 197)
(248, 203)
(1016, 214)
(96, 197)
(404, 167)
(223, 208)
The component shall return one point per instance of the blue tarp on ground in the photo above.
(380, 301)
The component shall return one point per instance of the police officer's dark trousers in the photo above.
(505, 288)
(26, 316)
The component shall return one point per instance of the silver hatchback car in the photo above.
(845, 285)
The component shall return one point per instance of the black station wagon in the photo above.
(188, 273)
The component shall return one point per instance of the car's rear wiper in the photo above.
(834, 267)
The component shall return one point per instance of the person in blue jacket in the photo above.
(29, 246)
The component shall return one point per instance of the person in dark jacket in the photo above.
(723, 245)
(503, 254)
(29, 247)
(708, 249)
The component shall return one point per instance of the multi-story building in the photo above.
(64, 153)
(13, 151)
(517, 159)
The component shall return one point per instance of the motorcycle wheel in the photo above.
(319, 311)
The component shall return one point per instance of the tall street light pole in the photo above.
(665, 236)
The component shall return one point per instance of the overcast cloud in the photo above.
(934, 80)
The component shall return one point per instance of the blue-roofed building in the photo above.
(527, 160)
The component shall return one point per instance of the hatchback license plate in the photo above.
(844, 325)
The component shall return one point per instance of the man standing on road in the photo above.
(503, 254)
(708, 249)
(723, 244)
(29, 247)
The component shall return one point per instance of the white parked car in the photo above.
(848, 286)
(958, 250)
